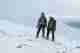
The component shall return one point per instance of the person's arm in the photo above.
(55, 25)
(45, 22)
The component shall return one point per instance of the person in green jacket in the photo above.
(51, 27)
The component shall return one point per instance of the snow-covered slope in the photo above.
(71, 31)
(7, 26)
(25, 42)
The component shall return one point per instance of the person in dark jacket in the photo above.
(42, 23)
(51, 27)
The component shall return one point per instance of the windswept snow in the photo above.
(71, 31)
(16, 38)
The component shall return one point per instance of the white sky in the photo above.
(32, 7)
(72, 7)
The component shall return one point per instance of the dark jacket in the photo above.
(42, 21)
(52, 24)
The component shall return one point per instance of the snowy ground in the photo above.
(16, 40)
(25, 42)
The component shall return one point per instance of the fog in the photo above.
(71, 31)
(25, 13)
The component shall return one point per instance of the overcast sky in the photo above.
(72, 7)
(26, 10)
(28, 7)
(34, 7)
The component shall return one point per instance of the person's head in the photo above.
(51, 18)
(42, 14)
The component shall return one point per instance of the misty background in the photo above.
(25, 12)
(22, 15)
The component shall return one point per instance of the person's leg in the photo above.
(48, 31)
(53, 36)
(43, 32)
(38, 32)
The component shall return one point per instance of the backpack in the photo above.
(52, 25)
